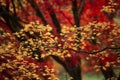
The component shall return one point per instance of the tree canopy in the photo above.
(33, 31)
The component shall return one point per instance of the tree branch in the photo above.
(75, 13)
(67, 18)
(82, 51)
(106, 48)
(38, 11)
(14, 7)
(81, 7)
(12, 21)
(21, 6)
(55, 20)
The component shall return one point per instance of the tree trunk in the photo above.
(75, 72)
(108, 73)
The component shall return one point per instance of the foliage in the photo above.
(91, 29)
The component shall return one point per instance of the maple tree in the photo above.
(34, 30)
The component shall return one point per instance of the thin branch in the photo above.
(81, 7)
(106, 48)
(67, 18)
(14, 9)
(82, 51)
(21, 6)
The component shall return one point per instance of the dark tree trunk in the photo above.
(75, 13)
(75, 72)
(108, 73)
